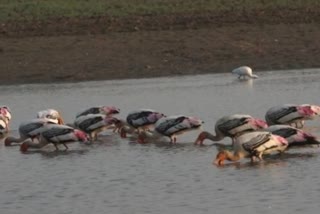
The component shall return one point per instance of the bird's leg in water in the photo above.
(115, 129)
(281, 153)
(92, 137)
(65, 146)
(301, 124)
(253, 159)
(298, 124)
(55, 145)
(173, 139)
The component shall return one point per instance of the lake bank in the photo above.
(85, 49)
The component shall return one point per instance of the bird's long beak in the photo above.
(7, 142)
(60, 121)
(141, 140)
(218, 162)
(123, 133)
(198, 141)
(24, 147)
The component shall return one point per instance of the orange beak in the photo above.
(123, 133)
(60, 121)
(141, 140)
(219, 159)
(7, 142)
(218, 162)
(24, 147)
(199, 140)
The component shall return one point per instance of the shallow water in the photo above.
(114, 176)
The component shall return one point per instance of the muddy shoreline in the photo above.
(43, 55)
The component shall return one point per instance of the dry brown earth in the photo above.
(100, 48)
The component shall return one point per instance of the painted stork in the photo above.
(93, 124)
(295, 137)
(290, 114)
(232, 126)
(6, 112)
(170, 127)
(107, 110)
(51, 114)
(55, 134)
(29, 129)
(252, 145)
(138, 120)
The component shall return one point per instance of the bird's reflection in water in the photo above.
(246, 82)
(269, 160)
(55, 153)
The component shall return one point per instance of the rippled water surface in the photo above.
(115, 176)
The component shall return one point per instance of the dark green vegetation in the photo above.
(43, 9)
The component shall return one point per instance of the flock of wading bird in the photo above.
(251, 137)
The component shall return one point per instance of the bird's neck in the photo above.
(9, 140)
(232, 156)
(60, 121)
(127, 128)
(42, 142)
(151, 134)
(213, 137)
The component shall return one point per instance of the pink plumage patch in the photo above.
(315, 109)
(282, 140)
(111, 110)
(261, 123)
(307, 135)
(155, 117)
(305, 110)
(195, 121)
(3, 111)
(111, 120)
(82, 136)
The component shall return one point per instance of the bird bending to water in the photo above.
(295, 137)
(232, 126)
(253, 145)
(291, 114)
(56, 134)
(51, 114)
(93, 124)
(6, 112)
(139, 120)
(170, 127)
(244, 71)
(107, 110)
(5, 117)
(29, 129)
(4, 126)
